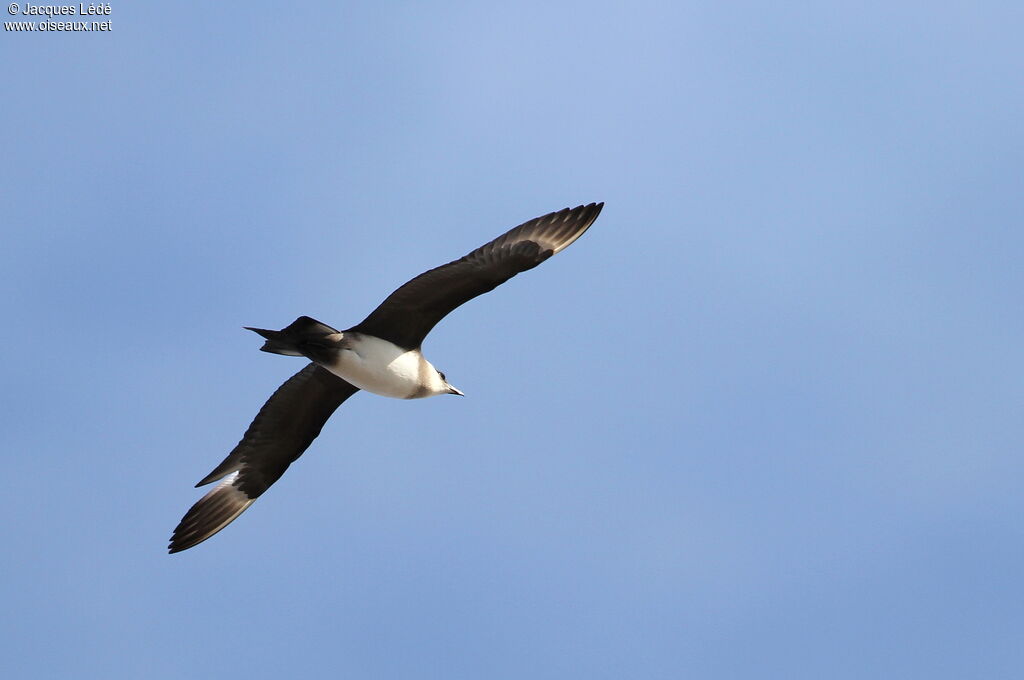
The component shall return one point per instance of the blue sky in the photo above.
(763, 420)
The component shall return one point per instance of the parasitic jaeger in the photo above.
(380, 354)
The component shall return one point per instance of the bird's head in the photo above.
(448, 386)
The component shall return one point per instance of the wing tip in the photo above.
(575, 222)
(211, 513)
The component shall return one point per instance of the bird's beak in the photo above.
(455, 390)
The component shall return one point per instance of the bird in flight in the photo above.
(380, 354)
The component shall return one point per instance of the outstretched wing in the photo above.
(284, 428)
(408, 314)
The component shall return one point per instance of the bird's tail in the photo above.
(290, 339)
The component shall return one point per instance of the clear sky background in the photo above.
(762, 421)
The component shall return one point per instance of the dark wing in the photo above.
(285, 426)
(408, 314)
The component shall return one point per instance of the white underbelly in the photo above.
(381, 367)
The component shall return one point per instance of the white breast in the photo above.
(384, 368)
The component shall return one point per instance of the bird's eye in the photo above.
(442, 376)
